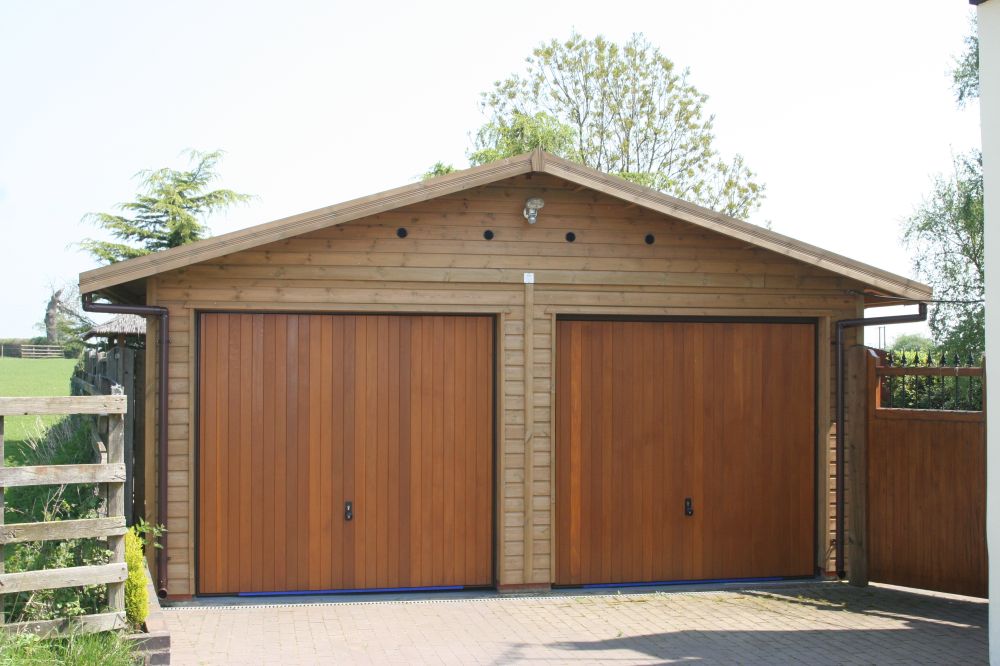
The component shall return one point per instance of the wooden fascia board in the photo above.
(142, 267)
(733, 228)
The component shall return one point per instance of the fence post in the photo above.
(116, 505)
(860, 392)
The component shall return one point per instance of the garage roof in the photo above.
(106, 278)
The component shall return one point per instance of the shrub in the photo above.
(136, 596)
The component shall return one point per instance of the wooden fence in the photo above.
(124, 368)
(926, 488)
(33, 351)
(111, 527)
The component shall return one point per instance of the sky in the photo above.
(844, 110)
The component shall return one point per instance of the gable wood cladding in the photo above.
(349, 260)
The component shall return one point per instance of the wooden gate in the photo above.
(926, 490)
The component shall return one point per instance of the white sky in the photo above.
(845, 109)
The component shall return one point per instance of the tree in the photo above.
(946, 235)
(965, 76)
(437, 169)
(912, 342)
(167, 212)
(622, 109)
(521, 133)
(65, 322)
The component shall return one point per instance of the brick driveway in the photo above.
(817, 624)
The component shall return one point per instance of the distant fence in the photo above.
(103, 372)
(32, 351)
(926, 470)
(111, 527)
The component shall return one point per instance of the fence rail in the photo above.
(918, 380)
(111, 528)
(42, 351)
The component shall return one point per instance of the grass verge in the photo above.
(32, 377)
(105, 649)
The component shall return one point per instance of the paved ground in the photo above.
(814, 624)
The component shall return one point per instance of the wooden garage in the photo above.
(629, 389)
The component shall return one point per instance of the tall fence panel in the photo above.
(926, 496)
(102, 373)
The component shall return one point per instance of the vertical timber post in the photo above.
(860, 394)
(116, 505)
(529, 423)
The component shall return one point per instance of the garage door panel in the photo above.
(652, 413)
(301, 413)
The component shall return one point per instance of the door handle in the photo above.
(688, 507)
(348, 510)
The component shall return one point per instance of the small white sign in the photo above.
(529, 278)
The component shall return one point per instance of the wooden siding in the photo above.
(444, 265)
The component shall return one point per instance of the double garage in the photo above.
(358, 451)
(421, 389)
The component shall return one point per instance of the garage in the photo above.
(506, 398)
(344, 452)
(685, 450)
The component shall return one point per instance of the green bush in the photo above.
(104, 649)
(136, 596)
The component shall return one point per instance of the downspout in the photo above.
(921, 315)
(161, 437)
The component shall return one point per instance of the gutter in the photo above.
(842, 324)
(161, 438)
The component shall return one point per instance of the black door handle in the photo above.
(348, 510)
(688, 507)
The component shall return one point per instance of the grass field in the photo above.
(31, 377)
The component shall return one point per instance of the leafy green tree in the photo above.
(965, 76)
(622, 109)
(437, 169)
(946, 235)
(521, 133)
(912, 342)
(167, 212)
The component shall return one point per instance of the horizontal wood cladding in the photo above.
(444, 265)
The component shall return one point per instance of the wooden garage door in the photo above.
(302, 413)
(650, 414)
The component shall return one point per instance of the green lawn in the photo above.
(31, 377)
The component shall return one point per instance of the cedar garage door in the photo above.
(300, 414)
(653, 414)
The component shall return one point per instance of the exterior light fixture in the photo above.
(531, 208)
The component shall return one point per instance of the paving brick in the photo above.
(811, 624)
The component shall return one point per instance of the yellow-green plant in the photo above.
(136, 597)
